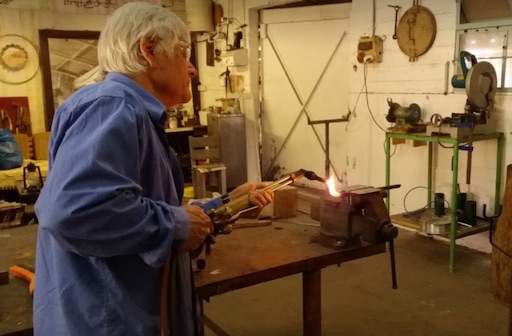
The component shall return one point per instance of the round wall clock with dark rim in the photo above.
(19, 61)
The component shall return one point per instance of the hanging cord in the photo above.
(384, 145)
(365, 88)
(414, 213)
(353, 114)
(367, 99)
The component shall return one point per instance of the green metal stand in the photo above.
(455, 170)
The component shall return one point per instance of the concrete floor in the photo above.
(357, 298)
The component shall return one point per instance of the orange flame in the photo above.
(332, 187)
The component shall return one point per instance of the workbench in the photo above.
(246, 257)
(455, 233)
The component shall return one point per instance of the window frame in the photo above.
(488, 25)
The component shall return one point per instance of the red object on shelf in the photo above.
(18, 114)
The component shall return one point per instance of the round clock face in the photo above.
(19, 61)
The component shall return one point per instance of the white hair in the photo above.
(118, 45)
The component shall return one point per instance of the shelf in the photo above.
(443, 139)
(462, 231)
(433, 140)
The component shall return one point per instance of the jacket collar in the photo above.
(154, 107)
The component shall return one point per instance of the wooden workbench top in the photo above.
(253, 255)
(246, 257)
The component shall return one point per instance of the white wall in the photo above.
(421, 82)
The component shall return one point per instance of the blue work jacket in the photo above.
(109, 217)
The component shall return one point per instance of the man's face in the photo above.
(171, 77)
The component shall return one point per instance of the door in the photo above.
(305, 66)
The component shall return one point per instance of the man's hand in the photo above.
(257, 195)
(200, 227)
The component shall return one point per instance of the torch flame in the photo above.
(332, 187)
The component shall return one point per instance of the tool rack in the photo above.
(456, 142)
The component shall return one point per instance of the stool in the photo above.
(200, 173)
(206, 149)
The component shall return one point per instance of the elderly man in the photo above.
(110, 213)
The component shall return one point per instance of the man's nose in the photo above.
(192, 72)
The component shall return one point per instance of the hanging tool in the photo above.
(22, 119)
(396, 8)
(5, 122)
(223, 216)
(227, 81)
(416, 31)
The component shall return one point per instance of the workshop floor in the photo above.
(357, 299)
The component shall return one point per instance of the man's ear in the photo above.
(147, 49)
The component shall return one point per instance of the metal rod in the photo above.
(453, 225)
(281, 185)
(277, 182)
(388, 167)
(446, 77)
(470, 156)
(497, 187)
(394, 284)
(327, 151)
(324, 121)
(429, 174)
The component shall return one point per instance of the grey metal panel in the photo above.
(231, 130)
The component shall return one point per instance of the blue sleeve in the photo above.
(92, 203)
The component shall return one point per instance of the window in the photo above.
(491, 45)
(484, 29)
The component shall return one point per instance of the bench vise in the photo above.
(356, 217)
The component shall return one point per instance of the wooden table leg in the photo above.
(311, 303)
